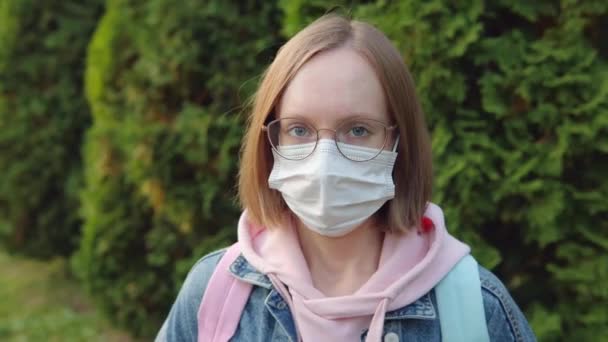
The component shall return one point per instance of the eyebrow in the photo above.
(349, 114)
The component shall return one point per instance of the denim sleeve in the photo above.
(181, 323)
(506, 322)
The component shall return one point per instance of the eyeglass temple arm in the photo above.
(392, 128)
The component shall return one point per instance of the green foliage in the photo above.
(165, 81)
(42, 118)
(299, 13)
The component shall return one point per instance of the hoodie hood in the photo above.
(410, 266)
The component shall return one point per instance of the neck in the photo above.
(341, 265)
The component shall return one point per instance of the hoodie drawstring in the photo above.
(374, 334)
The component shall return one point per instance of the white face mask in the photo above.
(329, 193)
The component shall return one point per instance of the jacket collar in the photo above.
(243, 270)
(422, 308)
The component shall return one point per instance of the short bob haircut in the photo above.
(412, 173)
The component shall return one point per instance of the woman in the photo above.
(338, 239)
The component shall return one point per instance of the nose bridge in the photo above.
(326, 133)
(324, 161)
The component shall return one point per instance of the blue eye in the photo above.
(298, 131)
(359, 131)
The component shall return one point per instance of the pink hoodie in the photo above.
(410, 266)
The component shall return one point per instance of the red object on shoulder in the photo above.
(427, 224)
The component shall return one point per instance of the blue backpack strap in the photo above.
(460, 304)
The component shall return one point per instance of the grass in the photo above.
(40, 302)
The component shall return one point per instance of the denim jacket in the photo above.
(266, 316)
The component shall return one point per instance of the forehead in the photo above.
(332, 86)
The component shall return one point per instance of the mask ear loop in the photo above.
(396, 144)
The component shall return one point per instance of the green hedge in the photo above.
(516, 94)
(166, 82)
(43, 115)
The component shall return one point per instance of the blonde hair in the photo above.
(412, 173)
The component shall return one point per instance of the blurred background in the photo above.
(120, 125)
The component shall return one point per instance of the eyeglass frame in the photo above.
(387, 128)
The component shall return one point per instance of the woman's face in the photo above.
(336, 89)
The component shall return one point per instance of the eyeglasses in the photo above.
(289, 133)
